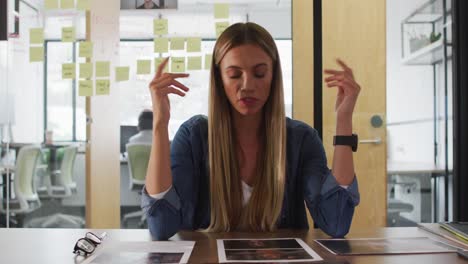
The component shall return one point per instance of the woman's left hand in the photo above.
(348, 89)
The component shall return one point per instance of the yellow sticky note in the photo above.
(83, 5)
(102, 68)
(158, 61)
(143, 66)
(68, 34)
(177, 43)
(194, 63)
(161, 45)
(36, 54)
(102, 87)
(160, 27)
(86, 49)
(208, 59)
(220, 27)
(51, 4)
(122, 74)
(221, 11)
(68, 71)
(85, 88)
(193, 44)
(86, 70)
(67, 4)
(177, 64)
(36, 35)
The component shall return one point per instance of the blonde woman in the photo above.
(246, 166)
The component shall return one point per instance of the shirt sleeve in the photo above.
(166, 214)
(161, 194)
(330, 205)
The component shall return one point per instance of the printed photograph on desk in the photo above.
(383, 246)
(148, 4)
(151, 252)
(278, 250)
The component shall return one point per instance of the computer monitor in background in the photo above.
(126, 132)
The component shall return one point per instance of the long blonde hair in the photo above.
(264, 207)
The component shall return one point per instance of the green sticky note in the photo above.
(177, 64)
(36, 35)
(161, 45)
(85, 88)
(221, 11)
(220, 27)
(68, 34)
(67, 4)
(86, 70)
(102, 68)
(83, 5)
(194, 63)
(102, 87)
(160, 27)
(122, 74)
(177, 43)
(68, 71)
(51, 4)
(193, 44)
(158, 61)
(143, 66)
(208, 59)
(36, 54)
(86, 49)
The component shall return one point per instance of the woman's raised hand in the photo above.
(160, 87)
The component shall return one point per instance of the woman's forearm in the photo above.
(343, 166)
(158, 175)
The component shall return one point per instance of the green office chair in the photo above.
(25, 198)
(63, 186)
(138, 158)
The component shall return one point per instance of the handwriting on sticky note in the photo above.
(208, 59)
(122, 73)
(160, 27)
(86, 49)
(68, 34)
(193, 44)
(177, 43)
(221, 11)
(102, 68)
(36, 54)
(220, 27)
(102, 87)
(194, 63)
(68, 71)
(161, 45)
(177, 64)
(86, 70)
(85, 88)
(36, 35)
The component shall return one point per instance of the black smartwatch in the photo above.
(351, 141)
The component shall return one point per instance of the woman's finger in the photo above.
(166, 81)
(161, 68)
(330, 71)
(336, 77)
(171, 90)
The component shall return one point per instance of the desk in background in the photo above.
(55, 245)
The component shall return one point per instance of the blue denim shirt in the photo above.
(186, 205)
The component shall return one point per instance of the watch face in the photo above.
(85, 245)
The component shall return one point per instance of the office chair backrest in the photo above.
(68, 162)
(138, 158)
(25, 189)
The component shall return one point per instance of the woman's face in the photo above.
(247, 72)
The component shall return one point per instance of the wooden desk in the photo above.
(55, 245)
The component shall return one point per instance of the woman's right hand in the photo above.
(160, 87)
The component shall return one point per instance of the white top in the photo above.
(144, 136)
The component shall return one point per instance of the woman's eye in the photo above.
(259, 75)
